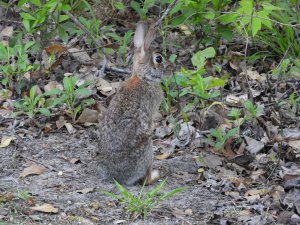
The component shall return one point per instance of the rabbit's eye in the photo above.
(158, 59)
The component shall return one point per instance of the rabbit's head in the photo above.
(148, 65)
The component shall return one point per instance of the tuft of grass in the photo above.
(143, 203)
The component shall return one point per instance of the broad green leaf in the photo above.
(83, 92)
(36, 2)
(255, 26)
(63, 18)
(231, 133)
(119, 5)
(27, 16)
(45, 111)
(268, 6)
(54, 91)
(228, 18)
(199, 57)
(265, 20)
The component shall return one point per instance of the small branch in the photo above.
(170, 7)
(82, 27)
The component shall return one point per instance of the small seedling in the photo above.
(143, 203)
(254, 111)
(71, 96)
(23, 194)
(235, 113)
(32, 104)
(220, 138)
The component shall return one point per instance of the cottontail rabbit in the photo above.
(125, 145)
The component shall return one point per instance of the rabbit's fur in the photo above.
(125, 145)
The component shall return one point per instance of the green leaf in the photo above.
(54, 91)
(172, 58)
(228, 18)
(26, 24)
(62, 18)
(125, 193)
(27, 16)
(231, 133)
(119, 5)
(218, 145)
(199, 57)
(45, 111)
(83, 92)
(36, 2)
(255, 26)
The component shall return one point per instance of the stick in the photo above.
(170, 7)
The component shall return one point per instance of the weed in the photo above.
(220, 138)
(71, 95)
(32, 104)
(143, 203)
(15, 62)
(253, 111)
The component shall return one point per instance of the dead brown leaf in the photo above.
(5, 141)
(33, 170)
(47, 208)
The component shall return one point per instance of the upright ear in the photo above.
(150, 37)
(140, 34)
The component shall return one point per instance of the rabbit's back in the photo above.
(125, 147)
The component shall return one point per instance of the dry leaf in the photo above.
(60, 122)
(5, 141)
(32, 170)
(52, 85)
(74, 160)
(55, 48)
(47, 208)
(7, 32)
(85, 190)
(88, 116)
(70, 128)
(104, 87)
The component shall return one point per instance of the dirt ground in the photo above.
(70, 170)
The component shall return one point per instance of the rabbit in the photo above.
(125, 133)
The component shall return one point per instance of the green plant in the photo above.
(294, 102)
(220, 138)
(193, 83)
(142, 10)
(143, 203)
(37, 15)
(254, 111)
(23, 194)
(15, 62)
(71, 95)
(32, 104)
(235, 113)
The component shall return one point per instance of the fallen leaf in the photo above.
(74, 160)
(60, 122)
(47, 208)
(5, 141)
(85, 190)
(80, 55)
(104, 87)
(32, 170)
(55, 48)
(254, 146)
(52, 85)
(88, 116)
(7, 32)
(70, 128)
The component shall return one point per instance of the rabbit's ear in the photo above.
(150, 37)
(140, 33)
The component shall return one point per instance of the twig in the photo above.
(88, 33)
(170, 7)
